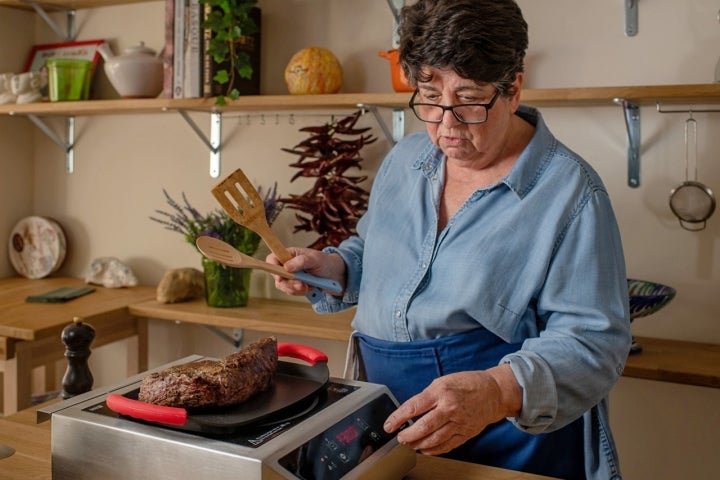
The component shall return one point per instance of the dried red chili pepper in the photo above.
(336, 202)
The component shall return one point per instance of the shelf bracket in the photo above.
(68, 145)
(631, 17)
(395, 7)
(213, 143)
(69, 34)
(632, 124)
(398, 122)
(235, 339)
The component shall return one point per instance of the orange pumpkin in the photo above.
(313, 70)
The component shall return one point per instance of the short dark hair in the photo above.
(481, 40)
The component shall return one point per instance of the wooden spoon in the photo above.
(215, 249)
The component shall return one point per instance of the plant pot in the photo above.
(226, 287)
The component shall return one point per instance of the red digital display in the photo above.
(347, 435)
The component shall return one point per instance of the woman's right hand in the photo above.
(315, 262)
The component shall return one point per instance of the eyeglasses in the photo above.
(465, 113)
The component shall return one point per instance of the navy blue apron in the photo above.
(407, 368)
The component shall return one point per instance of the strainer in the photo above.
(692, 202)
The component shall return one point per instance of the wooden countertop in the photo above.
(32, 459)
(29, 321)
(691, 363)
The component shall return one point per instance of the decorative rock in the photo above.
(180, 285)
(110, 272)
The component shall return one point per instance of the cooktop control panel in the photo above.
(336, 451)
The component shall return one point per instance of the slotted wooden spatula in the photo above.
(243, 203)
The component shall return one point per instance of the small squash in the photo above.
(313, 70)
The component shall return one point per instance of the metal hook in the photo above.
(291, 119)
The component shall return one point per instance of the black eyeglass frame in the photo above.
(445, 108)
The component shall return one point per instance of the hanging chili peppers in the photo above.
(336, 201)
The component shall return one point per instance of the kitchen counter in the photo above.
(32, 457)
(30, 332)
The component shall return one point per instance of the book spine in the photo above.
(179, 47)
(207, 61)
(193, 60)
(168, 51)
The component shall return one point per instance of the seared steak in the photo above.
(214, 383)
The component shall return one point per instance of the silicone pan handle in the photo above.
(301, 352)
(146, 411)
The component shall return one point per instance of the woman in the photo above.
(488, 272)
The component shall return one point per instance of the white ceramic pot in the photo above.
(137, 73)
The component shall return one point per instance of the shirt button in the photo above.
(398, 313)
(424, 266)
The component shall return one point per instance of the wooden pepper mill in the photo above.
(77, 338)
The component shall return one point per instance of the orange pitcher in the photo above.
(399, 82)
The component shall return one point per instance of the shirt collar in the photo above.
(529, 166)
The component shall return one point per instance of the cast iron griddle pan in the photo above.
(294, 383)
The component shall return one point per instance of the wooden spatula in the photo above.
(243, 203)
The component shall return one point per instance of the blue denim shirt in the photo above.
(536, 258)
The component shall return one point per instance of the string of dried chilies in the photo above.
(336, 201)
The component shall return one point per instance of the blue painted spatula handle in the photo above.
(323, 283)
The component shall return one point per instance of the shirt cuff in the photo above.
(539, 402)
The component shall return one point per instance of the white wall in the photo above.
(664, 431)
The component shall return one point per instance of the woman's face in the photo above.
(481, 144)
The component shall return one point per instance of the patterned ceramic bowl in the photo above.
(647, 298)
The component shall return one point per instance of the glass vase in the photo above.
(226, 287)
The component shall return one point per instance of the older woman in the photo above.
(488, 272)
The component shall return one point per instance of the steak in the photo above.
(214, 383)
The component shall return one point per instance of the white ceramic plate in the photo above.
(37, 247)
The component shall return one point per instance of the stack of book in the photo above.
(188, 71)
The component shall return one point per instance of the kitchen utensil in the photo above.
(294, 383)
(243, 203)
(215, 249)
(692, 202)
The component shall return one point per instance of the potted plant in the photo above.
(230, 24)
(224, 286)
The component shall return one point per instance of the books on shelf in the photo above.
(188, 71)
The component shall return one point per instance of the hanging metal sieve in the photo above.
(692, 202)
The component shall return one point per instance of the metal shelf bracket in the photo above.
(67, 145)
(213, 143)
(632, 124)
(398, 122)
(395, 7)
(631, 17)
(69, 34)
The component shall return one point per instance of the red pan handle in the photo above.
(301, 352)
(146, 411)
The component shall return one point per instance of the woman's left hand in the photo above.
(456, 407)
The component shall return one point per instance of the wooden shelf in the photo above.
(586, 96)
(68, 4)
(280, 317)
(676, 361)
(246, 103)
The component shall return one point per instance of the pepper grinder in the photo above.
(77, 338)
